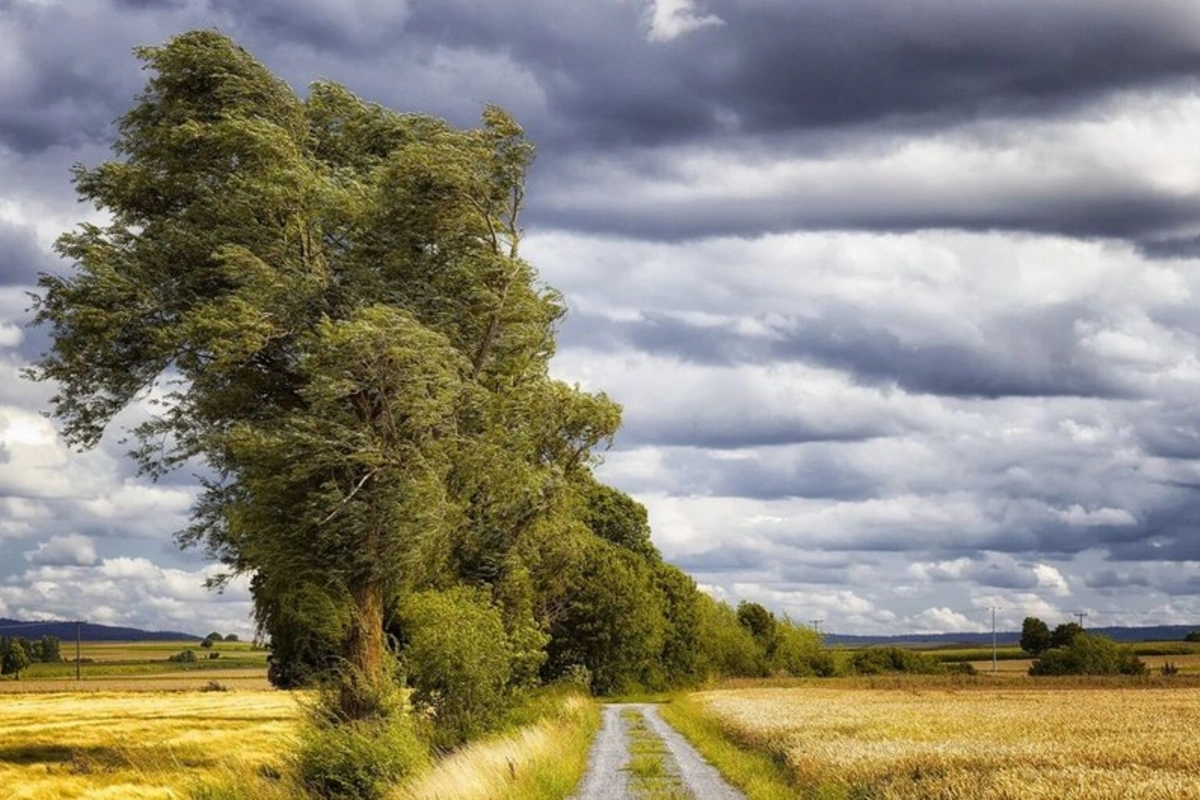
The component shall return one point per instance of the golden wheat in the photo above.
(1010, 743)
(136, 744)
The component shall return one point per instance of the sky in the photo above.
(900, 297)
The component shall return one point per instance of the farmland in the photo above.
(141, 745)
(121, 666)
(1020, 739)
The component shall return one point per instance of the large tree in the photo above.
(322, 301)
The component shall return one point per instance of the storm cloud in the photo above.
(899, 298)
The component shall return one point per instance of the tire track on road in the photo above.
(608, 775)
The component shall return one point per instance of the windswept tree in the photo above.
(322, 302)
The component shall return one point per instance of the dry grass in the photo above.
(537, 762)
(1014, 741)
(136, 744)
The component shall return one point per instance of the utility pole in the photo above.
(1082, 615)
(995, 660)
(78, 626)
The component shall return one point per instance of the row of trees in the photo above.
(17, 653)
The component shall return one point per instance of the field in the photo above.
(132, 666)
(925, 739)
(137, 745)
(1011, 661)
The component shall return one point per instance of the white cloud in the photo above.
(72, 549)
(943, 620)
(669, 19)
(129, 591)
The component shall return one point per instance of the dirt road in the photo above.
(637, 755)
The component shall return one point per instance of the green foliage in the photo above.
(231, 637)
(331, 299)
(358, 759)
(207, 644)
(1064, 633)
(618, 518)
(15, 656)
(1193, 636)
(458, 660)
(611, 620)
(183, 657)
(1035, 636)
(728, 647)
(878, 660)
(213, 637)
(682, 659)
(1088, 654)
(756, 619)
(797, 651)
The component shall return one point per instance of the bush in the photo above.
(184, 657)
(458, 661)
(1169, 668)
(796, 649)
(1089, 655)
(877, 660)
(363, 759)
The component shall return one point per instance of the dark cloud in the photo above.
(21, 257)
(816, 470)
(776, 66)
(1032, 353)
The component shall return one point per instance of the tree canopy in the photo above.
(322, 302)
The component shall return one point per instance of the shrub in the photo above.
(184, 657)
(1169, 668)
(214, 686)
(458, 660)
(1089, 655)
(877, 660)
(796, 649)
(362, 759)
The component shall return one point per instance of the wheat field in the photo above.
(141, 745)
(1016, 742)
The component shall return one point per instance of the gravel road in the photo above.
(606, 778)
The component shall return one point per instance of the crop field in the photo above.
(137, 745)
(130, 666)
(1018, 741)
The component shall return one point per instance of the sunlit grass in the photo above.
(544, 760)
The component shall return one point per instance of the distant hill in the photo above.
(1148, 633)
(89, 632)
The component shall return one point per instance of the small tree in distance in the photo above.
(14, 657)
(1035, 636)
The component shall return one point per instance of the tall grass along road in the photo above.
(638, 755)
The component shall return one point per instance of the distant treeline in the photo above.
(17, 653)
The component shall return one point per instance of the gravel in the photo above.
(606, 778)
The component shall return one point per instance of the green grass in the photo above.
(652, 779)
(114, 659)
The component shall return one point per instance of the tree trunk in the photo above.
(363, 688)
